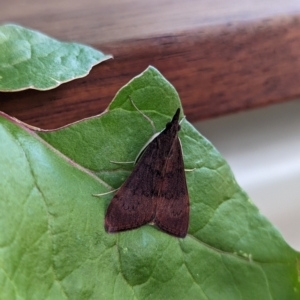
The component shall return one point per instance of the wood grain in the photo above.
(220, 61)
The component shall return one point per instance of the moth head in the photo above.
(175, 122)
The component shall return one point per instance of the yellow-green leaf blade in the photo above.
(32, 60)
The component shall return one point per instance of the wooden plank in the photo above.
(218, 62)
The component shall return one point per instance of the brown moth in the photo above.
(156, 190)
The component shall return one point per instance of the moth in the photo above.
(156, 190)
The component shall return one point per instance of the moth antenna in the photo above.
(183, 118)
(146, 117)
(102, 194)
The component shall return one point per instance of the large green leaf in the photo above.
(52, 239)
(31, 60)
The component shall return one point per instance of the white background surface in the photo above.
(263, 149)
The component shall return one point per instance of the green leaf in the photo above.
(52, 239)
(32, 60)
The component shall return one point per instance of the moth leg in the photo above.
(122, 162)
(102, 194)
(190, 170)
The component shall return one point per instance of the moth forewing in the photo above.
(133, 205)
(172, 206)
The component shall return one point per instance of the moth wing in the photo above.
(172, 203)
(133, 205)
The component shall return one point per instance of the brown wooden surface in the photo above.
(221, 56)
